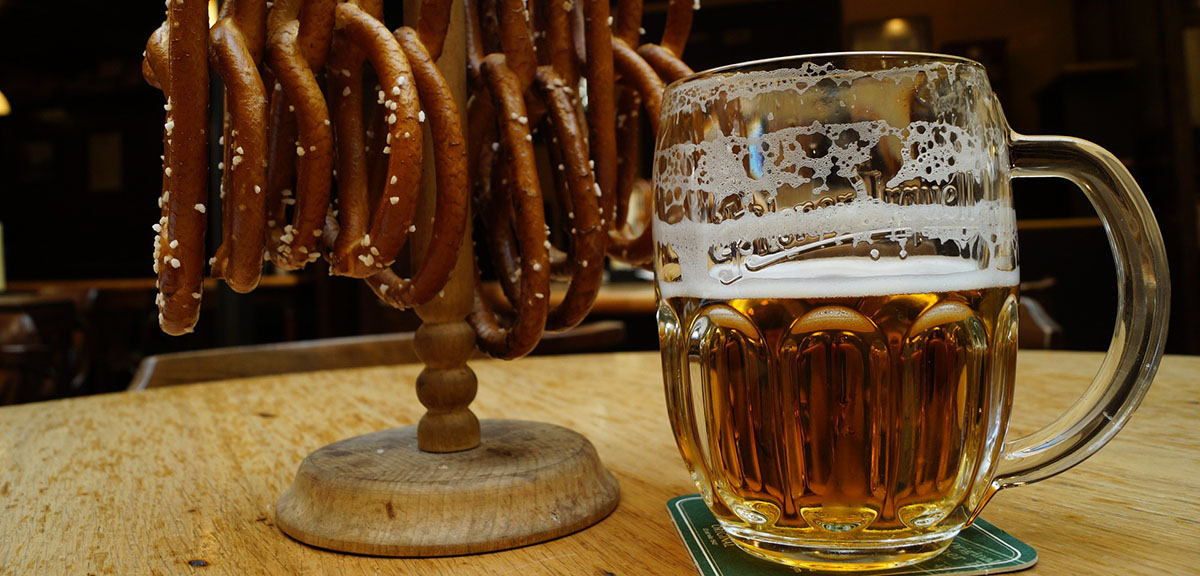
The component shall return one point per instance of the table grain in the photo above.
(184, 480)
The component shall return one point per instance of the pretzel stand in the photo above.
(451, 484)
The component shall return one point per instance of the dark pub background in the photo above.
(81, 139)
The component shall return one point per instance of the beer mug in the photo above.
(837, 271)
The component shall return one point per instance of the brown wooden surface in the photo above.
(145, 482)
(338, 353)
(136, 284)
(614, 298)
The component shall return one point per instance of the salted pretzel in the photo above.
(646, 90)
(450, 167)
(235, 52)
(432, 23)
(301, 137)
(601, 109)
(496, 334)
(640, 74)
(553, 29)
(366, 244)
(546, 97)
(176, 62)
(583, 263)
(668, 65)
(555, 45)
(629, 141)
(516, 42)
(495, 177)
(588, 238)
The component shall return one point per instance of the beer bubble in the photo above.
(749, 515)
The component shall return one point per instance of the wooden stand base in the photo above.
(378, 494)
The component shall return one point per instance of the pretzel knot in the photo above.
(235, 50)
(176, 63)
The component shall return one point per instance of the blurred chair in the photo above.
(40, 356)
(337, 353)
(1037, 329)
(22, 357)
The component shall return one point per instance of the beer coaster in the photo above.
(980, 549)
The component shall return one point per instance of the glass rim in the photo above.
(799, 58)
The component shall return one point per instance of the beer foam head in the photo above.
(848, 277)
(760, 173)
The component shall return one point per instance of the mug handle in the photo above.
(1143, 303)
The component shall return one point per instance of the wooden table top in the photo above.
(148, 482)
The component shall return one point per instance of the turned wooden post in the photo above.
(445, 341)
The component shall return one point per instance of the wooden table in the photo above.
(172, 480)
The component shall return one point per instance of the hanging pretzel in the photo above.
(582, 262)
(235, 51)
(629, 141)
(301, 139)
(560, 49)
(499, 336)
(516, 42)
(637, 248)
(495, 214)
(679, 25)
(176, 63)
(489, 179)
(450, 165)
(666, 56)
(601, 110)
(588, 240)
(361, 251)
(574, 183)
(432, 23)
(639, 81)
(627, 23)
(666, 63)
(493, 200)
(555, 49)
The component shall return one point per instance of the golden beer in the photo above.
(837, 419)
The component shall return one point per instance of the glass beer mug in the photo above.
(836, 265)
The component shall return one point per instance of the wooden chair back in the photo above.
(1038, 329)
(336, 353)
(41, 348)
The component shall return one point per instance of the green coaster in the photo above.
(980, 549)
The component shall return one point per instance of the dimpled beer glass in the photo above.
(836, 264)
